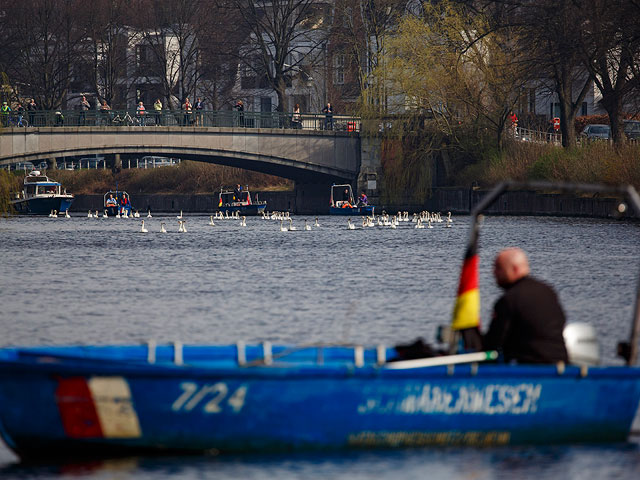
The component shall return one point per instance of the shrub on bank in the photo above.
(186, 178)
(594, 162)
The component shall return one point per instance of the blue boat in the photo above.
(344, 203)
(113, 206)
(104, 400)
(41, 196)
(232, 201)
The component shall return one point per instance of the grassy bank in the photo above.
(185, 178)
(595, 162)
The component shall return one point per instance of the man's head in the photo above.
(511, 265)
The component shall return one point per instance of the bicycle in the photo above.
(127, 120)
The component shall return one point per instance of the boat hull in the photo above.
(51, 405)
(43, 205)
(246, 210)
(354, 211)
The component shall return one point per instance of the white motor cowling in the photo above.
(582, 345)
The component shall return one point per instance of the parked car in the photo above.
(632, 129)
(596, 131)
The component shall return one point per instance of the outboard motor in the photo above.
(581, 342)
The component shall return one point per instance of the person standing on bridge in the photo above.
(140, 112)
(198, 107)
(328, 119)
(84, 108)
(186, 108)
(157, 110)
(239, 107)
(31, 110)
(5, 110)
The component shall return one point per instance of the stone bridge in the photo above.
(314, 159)
(300, 155)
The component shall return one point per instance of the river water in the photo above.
(85, 280)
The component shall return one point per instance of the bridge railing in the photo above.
(173, 118)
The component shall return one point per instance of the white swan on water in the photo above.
(243, 223)
(66, 214)
(162, 229)
(142, 229)
(211, 220)
(307, 226)
(180, 216)
(350, 226)
(183, 226)
(282, 227)
(316, 224)
(291, 227)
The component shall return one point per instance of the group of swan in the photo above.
(54, 214)
(393, 221)
(225, 216)
(181, 229)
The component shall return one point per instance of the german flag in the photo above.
(466, 313)
(220, 202)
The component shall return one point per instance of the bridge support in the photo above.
(312, 198)
(370, 168)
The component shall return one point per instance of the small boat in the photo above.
(40, 196)
(117, 202)
(347, 205)
(239, 200)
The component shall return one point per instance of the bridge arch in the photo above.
(303, 156)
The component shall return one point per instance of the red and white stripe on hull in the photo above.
(100, 407)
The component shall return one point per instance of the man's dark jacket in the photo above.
(527, 324)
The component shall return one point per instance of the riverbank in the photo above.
(459, 201)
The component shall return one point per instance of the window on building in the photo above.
(338, 69)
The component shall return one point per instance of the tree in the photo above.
(285, 36)
(548, 48)
(610, 43)
(40, 39)
(360, 32)
(448, 64)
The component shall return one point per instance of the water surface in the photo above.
(82, 280)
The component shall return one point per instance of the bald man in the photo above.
(527, 320)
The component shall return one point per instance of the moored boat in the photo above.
(41, 196)
(239, 200)
(347, 205)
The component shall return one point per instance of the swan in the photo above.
(95, 215)
(89, 215)
(66, 214)
(429, 224)
(105, 214)
(243, 223)
(125, 214)
(136, 215)
(307, 226)
(419, 224)
(180, 216)
(282, 227)
(162, 229)
(211, 220)
(183, 226)
(54, 214)
(142, 229)
(316, 224)
(291, 227)
(350, 226)
(149, 213)
(118, 214)
(51, 214)
(449, 217)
